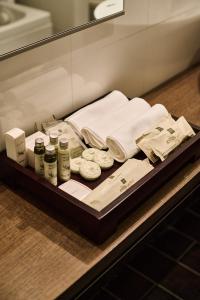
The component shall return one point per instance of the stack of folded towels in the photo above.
(114, 122)
(95, 111)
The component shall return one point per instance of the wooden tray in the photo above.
(98, 226)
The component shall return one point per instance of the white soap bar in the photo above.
(89, 153)
(30, 144)
(75, 164)
(103, 159)
(75, 189)
(15, 145)
(90, 170)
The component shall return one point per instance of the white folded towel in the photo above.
(121, 142)
(96, 110)
(97, 130)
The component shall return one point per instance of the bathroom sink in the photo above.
(9, 15)
(21, 25)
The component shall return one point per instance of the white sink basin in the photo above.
(9, 15)
(21, 25)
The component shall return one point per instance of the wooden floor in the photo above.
(40, 258)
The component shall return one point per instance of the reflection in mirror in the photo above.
(26, 22)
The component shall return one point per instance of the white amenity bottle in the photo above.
(64, 172)
(50, 164)
(39, 151)
(53, 140)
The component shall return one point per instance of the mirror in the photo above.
(25, 24)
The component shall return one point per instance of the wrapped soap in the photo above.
(15, 145)
(76, 147)
(118, 182)
(144, 145)
(185, 128)
(144, 141)
(61, 128)
(169, 139)
(165, 143)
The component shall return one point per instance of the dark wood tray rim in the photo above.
(99, 225)
(186, 146)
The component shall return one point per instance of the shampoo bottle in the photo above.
(50, 164)
(63, 160)
(39, 151)
(53, 137)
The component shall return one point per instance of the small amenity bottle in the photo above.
(53, 140)
(39, 151)
(63, 160)
(50, 164)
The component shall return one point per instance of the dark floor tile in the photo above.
(96, 293)
(93, 290)
(196, 206)
(159, 294)
(196, 196)
(192, 258)
(152, 264)
(171, 242)
(182, 283)
(99, 284)
(102, 295)
(190, 225)
(128, 285)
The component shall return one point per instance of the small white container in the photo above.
(15, 145)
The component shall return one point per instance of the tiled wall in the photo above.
(152, 42)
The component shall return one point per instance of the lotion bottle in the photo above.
(39, 151)
(53, 138)
(64, 172)
(50, 164)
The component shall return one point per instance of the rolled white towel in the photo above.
(96, 110)
(121, 142)
(97, 130)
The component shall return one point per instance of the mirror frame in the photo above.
(61, 34)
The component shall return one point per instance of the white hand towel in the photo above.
(97, 130)
(96, 110)
(121, 142)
